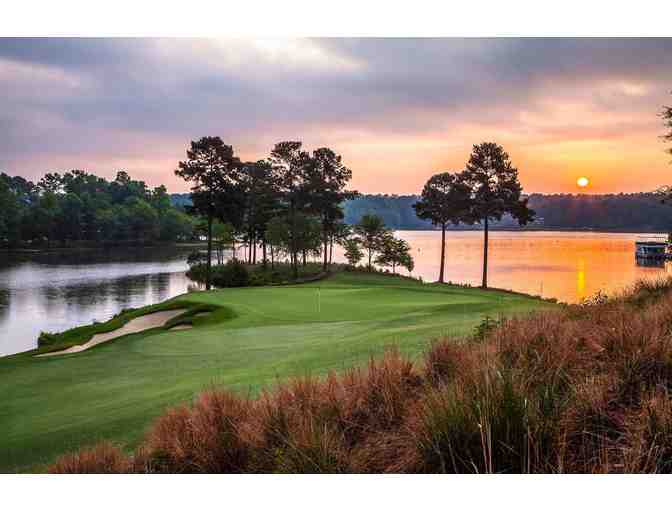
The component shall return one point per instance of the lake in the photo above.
(568, 266)
(57, 291)
(53, 292)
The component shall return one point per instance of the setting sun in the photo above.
(582, 182)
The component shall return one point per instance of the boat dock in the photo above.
(653, 248)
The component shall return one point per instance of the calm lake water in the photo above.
(60, 291)
(568, 266)
(55, 292)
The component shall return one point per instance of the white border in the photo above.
(333, 492)
(336, 18)
(474, 18)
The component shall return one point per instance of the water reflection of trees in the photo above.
(4, 303)
(116, 255)
(122, 292)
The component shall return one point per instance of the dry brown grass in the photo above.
(583, 390)
(103, 458)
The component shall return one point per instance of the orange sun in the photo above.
(582, 182)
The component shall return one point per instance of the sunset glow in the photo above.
(582, 182)
(397, 110)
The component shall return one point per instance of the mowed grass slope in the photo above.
(256, 338)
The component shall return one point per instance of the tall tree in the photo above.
(307, 236)
(277, 236)
(291, 163)
(445, 199)
(214, 172)
(224, 237)
(371, 232)
(260, 183)
(494, 191)
(327, 179)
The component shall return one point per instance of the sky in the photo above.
(397, 110)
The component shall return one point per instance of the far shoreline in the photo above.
(89, 246)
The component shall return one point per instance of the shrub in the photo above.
(104, 458)
(232, 274)
(208, 437)
(649, 435)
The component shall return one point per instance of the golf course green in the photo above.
(255, 337)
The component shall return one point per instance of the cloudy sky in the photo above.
(398, 110)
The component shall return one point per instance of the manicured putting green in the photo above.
(257, 337)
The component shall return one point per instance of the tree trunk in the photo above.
(484, 284)
(254, 250)
(443, 251)
(325, 242)
(209, 261)
(295, 262)
(263, 252)
(370, 253)
(331, 251)
(272, 258)
(304, 258)
(324, 254)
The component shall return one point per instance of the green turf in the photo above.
(256, 337)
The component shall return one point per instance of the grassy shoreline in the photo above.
(52, 342)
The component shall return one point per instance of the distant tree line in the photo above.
(75, 206)
(622, 212)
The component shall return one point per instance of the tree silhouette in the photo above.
(291, 162)
(260, 183)
(494, 191)
(445, 199)
(371, 232)
(395, 252)
(327, 178)
(214, 172)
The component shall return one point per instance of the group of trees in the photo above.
(487, 189)
(80, 206)
(376, 240)
(289, 202)
(288, 206)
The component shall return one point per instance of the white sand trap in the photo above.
(142, 323)
(180, 327)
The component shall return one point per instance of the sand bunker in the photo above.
(180, 327)
(149, 321)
